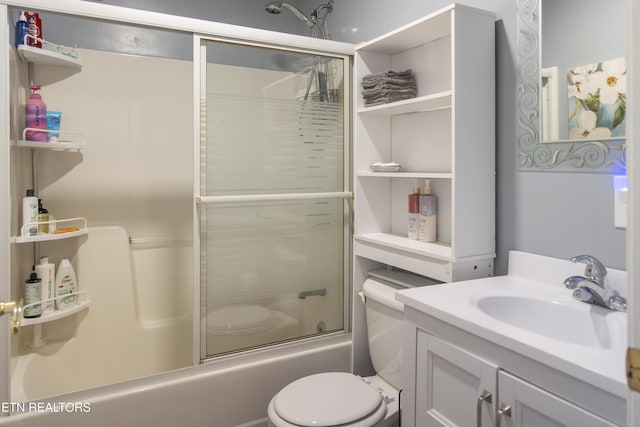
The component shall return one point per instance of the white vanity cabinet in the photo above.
(454, 378)
(452, 386)
(446, 134)
(523, 404)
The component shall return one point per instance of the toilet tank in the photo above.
(384, 321)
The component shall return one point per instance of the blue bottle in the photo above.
(22, 28)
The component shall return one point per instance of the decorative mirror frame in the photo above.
(580, 156)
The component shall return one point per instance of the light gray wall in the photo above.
(554, 214)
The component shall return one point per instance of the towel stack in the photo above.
(389, 86)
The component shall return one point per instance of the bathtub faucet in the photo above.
(315, 292)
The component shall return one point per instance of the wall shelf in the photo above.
(436, 101)
(406, 175)
(50, 54)
(81, 304)
(77, 227)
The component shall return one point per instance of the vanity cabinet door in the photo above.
(453, 387)
(524, 404)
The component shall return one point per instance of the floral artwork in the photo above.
(597, 100)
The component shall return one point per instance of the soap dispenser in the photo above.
(427, 228)
(36, 116)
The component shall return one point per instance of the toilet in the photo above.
(344, 399)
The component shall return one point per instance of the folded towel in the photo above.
(388, 86)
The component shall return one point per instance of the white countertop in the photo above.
(541, 278)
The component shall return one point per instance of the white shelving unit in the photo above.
(67, 228)
(446, 134)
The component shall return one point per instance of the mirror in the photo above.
(571, 85)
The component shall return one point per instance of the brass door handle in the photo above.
(15, 308)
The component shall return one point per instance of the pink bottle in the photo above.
(36, 116)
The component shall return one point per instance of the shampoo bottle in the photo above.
(32, 295)
(30, 214)
(427, 229)
(414, 211)
(46, 272)
(36, 116)
(22, 28)
(66, 284)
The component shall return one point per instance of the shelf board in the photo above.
(416, 33)
(55, 315)
(436, 101)
(50, 237)
(420, 175)
(37, 55)
(51, 145)
(437, 250)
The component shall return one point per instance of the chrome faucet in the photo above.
(592, 288)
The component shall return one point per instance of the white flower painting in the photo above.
(597, 99)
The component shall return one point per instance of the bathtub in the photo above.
(224, 393)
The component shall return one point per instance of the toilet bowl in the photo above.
(238, 326)
(347, 400)
(335, 399)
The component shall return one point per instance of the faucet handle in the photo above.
(594, 270)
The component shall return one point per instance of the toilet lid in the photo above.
(239, 319)
(327, 399)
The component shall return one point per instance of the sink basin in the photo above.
(568, 321)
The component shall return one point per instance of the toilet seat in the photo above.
(327, 399)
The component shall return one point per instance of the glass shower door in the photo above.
(274, 196)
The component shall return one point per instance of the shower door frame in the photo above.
(200, 92)
(124, 15)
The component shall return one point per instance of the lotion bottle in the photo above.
(46, 272)
(32, 295)
(36, 116)
(30, 214)
(427, 229)
(66, 284)
(414, 211)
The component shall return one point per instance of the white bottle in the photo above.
(427, 228)
(30, 214)
(46, 271)
(66, 284)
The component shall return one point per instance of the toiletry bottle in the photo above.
(427, 229)
(36, 116)
(46, 272)
(30, 214)
(43, 218)
(32, 295)
(414, 211)
(66, 284)
(34, 27)
(21, 29)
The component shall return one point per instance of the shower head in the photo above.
(275, 7)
